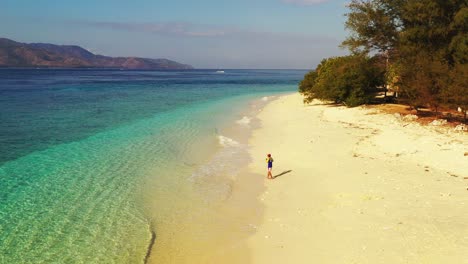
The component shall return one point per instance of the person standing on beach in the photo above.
(269, 160)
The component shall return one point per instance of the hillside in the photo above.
(16, 54)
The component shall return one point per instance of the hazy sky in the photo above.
(204, 33)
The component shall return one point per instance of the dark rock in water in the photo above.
(43, 55)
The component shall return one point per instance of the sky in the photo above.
(211, 34)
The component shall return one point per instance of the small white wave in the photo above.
(265, 98)
(227, 142)
(244, 120)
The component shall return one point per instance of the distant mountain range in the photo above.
(43, 55)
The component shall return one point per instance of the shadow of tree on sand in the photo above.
(281, 174)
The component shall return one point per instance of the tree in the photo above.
(455, 94)
(374, 25)
(431, 25)
(306, 84)
(349, 79)
(423, 77)
(458, 47)
(424, 42)
(432, 44)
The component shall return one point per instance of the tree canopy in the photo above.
(424, 44)
(349, 79)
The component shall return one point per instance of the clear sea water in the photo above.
(94, 163)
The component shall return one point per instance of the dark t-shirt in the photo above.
(270, 162)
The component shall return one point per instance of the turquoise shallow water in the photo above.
(83, 151)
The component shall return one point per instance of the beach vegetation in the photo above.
(374, 26)
(350, 80)
(306, 84)
(455, 93)
(422, 47)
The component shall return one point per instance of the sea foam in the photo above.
(215, 178)
(227, 142)
(244, 120)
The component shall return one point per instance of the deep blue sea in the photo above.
(93, 162)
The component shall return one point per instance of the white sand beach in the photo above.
(359, 186)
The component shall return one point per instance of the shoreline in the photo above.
(357, 186)
(222, 190)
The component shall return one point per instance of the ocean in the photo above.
(112, 166)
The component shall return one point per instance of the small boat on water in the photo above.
(219, 71)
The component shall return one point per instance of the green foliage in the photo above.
(432, 43)
(349, 79)
(374, 25)
(458, 47)
(431, 25)
(423, 77)
(306, 83)
(455, 93)
(425, 43)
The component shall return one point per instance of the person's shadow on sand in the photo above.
(281, 174)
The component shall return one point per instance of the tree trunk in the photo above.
(386, 74)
